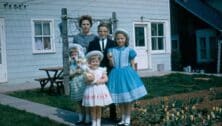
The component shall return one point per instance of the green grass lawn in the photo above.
(156, 86)
(14, 117)
(179, 83)
(36, 95)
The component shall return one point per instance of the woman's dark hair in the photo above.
(85, 17)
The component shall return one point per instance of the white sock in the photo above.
(127, 119)
(122, 119)
(93, 122)
(98, 122)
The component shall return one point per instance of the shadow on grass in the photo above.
(67, 116)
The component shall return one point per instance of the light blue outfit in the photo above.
(83, 40)
(124, 83)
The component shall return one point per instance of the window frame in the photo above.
(51, 35)
(205, 34)
(146, 34)
(207, 50)
(164, 36)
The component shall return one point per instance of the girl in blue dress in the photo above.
(124, 83)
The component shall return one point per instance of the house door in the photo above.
(141, 46)
(3, 67)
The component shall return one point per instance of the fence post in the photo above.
(114, 21)
(65, 44)
(219, 56)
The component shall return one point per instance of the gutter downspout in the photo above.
(219, 52)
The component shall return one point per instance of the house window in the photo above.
(139, 35)
(157, 36)
(43, 36)
(207, 49)
(203, 48)
(206, 45)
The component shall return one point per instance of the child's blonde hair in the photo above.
(93, 54)
(93, 58)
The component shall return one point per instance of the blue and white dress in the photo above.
(124, 83)
(77, 83)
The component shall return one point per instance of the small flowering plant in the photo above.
(176, 113)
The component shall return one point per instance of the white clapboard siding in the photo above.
(22, 64)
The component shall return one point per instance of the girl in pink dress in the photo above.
(96, 94)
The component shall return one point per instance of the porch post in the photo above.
(219, 55)
(65, 51)
(114, 21)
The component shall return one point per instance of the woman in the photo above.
(85, 36)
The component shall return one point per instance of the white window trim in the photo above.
(165, 42)
(53, 50)
(147, 46)
(146, 34)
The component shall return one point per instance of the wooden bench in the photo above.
(59, 86)
(43, 81)
(57, 89)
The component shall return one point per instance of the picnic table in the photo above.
(54, 77)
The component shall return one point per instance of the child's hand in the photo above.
(78, 71)
(110, 56)
(89, 77)
(103, 79)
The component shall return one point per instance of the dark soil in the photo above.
(209, 101)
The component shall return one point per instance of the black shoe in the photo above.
(87, 123)
(80, 123)
(115, 120)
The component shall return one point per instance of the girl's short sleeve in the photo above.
(132, 54)
(104, 70)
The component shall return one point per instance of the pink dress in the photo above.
(96, 94)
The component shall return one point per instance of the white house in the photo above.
(30, 35)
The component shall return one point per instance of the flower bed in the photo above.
(203, 108)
